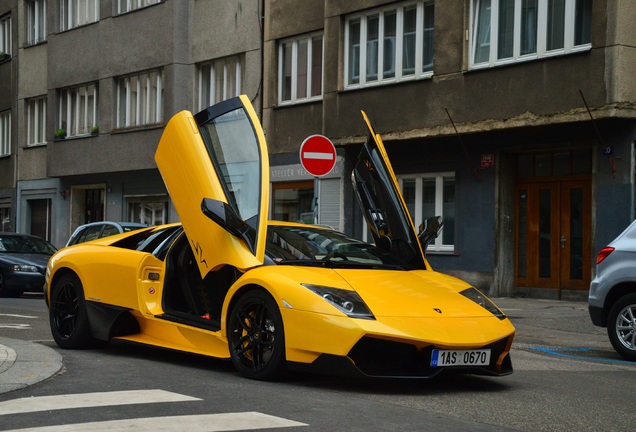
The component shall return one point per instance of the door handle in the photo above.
(563, 240)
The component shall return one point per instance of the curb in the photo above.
(24, 363)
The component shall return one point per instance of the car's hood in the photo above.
(419, 293)
(39, 260)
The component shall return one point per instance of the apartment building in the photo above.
(513, 119)
(94, 82)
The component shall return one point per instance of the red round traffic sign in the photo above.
(317, 155)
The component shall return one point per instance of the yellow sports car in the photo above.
(227, 283)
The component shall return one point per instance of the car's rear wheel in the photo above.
(621, 326)
(67, 313)
(256, 337)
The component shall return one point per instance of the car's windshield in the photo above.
(299, 245)
(25, 244)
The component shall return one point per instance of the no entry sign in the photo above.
(317, 155)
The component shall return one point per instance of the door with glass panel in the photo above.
(553, 235)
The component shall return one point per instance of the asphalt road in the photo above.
(567, 377)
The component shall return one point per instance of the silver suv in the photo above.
(612, 297)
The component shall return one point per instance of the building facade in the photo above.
(513, 119)
(90, 85)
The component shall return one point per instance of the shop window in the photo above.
(293, 201)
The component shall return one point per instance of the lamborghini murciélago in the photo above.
(226, 282)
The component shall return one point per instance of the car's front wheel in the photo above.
(67, 313)
(621, 326)
(256, 337)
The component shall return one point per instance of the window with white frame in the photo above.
(219, 80)
(36, 121)
(36, 21)
(5, 133)
(151, 210)
(75, 13)
(5, 216)
(300, 69)
(124, 6)
(78, 110)
(140, 99)
(428, 195)
(390, 44)
(504, 31)
(5, 35)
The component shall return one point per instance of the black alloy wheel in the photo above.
(67, 314)
(256, 337)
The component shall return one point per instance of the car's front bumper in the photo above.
(19, 282)
(386, 359)
(393, 346)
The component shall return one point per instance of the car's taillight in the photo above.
(604, 253)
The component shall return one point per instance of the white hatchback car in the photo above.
(95, 230)
(612, 297)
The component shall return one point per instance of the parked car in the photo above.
(95, 230)
(612, 296)
(268, 296)
(23, 261)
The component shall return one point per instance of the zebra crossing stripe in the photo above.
(86, 400)
(199, 423)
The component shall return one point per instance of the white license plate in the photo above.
(460, 357)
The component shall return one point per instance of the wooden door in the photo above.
(553, 235)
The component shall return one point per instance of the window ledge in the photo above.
(287, 104)
(442, 253)
(137, 128)
(138, 9)
(30, 44)
(530, 58)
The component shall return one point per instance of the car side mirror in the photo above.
(429, 230)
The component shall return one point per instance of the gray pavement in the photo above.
(537, 321)
(24, 363)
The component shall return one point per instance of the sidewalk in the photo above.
(25, 363)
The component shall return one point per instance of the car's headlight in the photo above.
(24, 268)
(349, 302)
(483, 301)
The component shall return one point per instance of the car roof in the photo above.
(127, 224)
